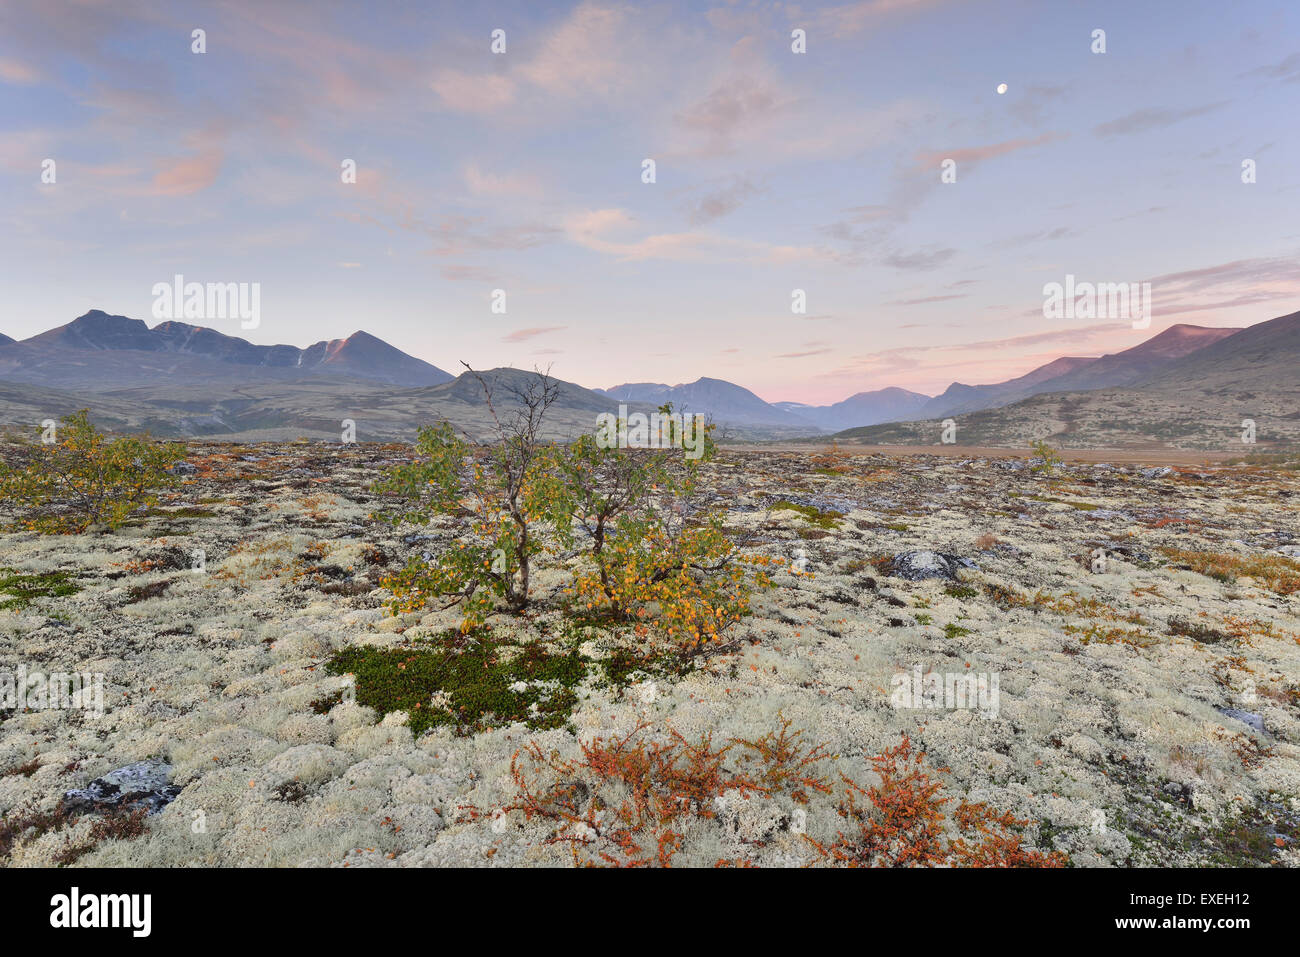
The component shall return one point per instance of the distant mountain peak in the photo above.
(98, 329)
(360, 356)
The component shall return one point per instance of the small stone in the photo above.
(1248, 718)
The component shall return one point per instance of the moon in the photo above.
(1002, 88)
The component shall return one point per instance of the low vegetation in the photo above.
(638, 800)
(1276, 572)
(822, 518)
(73, 476)
(22, 589)
(1049, 458)
(901, 822)
(470, 681)
(24, 825)
(562, 587)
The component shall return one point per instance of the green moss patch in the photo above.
(485, 683)
(626, 666)
(822, 519)
(1196, 630)
(24, 589)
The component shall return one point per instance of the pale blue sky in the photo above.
(775, 171)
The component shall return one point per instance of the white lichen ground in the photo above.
(218, 672)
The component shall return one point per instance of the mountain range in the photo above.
(1077, 374)
(864, 408)
(100, 352)
(1162, 392)
(725, 401)
(177, 378)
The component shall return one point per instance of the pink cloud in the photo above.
(976, 154)
(851, 19)
(522, 335)
(582, 53)
(15, 71)
(188, 175)
(473, 93)
(483, 183)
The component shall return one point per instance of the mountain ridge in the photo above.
(725, 401)
(1240, 391)
(862, 408)
(187, 368)
(360, 355)
(1078, 373)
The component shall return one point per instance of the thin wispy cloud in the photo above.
(925, 300)
(1153, 118)
(971, 156)
(523, 335)
(721, 201)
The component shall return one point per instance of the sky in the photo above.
(774, 171)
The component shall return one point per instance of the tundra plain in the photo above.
(1141, 621)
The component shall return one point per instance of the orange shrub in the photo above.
(629, 802)
(900, 823)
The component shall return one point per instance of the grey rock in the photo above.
(1102, 514)
(1178, 791)
(1248, 718)
(919, 565)
(140, 785)
(183, 468)
(1156, 473)
(1129, 551)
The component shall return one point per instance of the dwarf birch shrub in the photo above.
(649, 556)
(1050, 457)
(84, 478)
(640, 799)
(901, 822)
(688, 582)
(505, 489)
(658, 557)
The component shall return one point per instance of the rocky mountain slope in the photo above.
(864, 408)
(1078, 374)
(1198, 400)
(100, 352)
